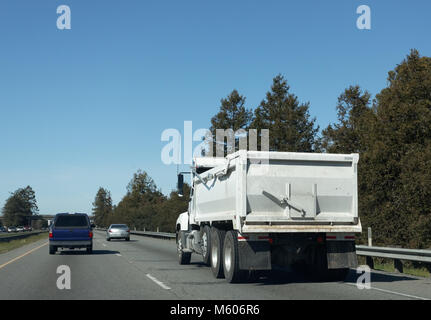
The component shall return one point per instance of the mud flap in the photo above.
(254, 255)
(341, 254)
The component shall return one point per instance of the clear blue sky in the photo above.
(86, 107)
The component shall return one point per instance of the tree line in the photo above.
(144, 207)
(20, 209)
(391, 132)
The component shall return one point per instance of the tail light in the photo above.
(109, 230)
(50, 234)
(128, 230)
(90, 234)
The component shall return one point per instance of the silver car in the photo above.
(118, 231)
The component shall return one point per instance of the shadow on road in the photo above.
(280, 276)
(380, 277)
(83, 252)
(198, 264)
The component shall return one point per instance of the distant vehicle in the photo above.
(71, 231)
(118, 231)
(11, 229)
(20, 229)
(3, 229)
(28, 228)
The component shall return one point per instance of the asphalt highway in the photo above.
(147, 268)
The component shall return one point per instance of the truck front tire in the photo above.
(206, 245)
(183, 257)
(217, 239)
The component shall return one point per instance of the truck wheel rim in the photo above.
(204, 244)
(179, 247)
(214, 256)
(228, 258)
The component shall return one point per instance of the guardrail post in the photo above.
(157, 229)
(370, 262)
(398, 265)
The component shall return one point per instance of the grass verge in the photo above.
(11, 245)
(387, 265)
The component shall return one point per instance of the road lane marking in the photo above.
(23, 255)
(118, 255)
(161, 284)
(393, 292)
(103, 244)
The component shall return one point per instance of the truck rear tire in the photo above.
(231, 269)
(183, 257)
(206, 245)
(217, 239)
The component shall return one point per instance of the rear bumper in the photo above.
(118, 235)
(301, 228)
(71, 244)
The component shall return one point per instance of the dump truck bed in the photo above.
(275, 192)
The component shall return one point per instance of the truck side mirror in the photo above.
(180, 185)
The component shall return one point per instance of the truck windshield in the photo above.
(71, 221)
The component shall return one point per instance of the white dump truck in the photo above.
(254, 210)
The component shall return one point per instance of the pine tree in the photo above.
(288, 120)
(20, 206)
(355, 119)
(232, 116)
(102, 207)
(397, 167)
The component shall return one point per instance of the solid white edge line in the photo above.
(393, 292)
(161, 284)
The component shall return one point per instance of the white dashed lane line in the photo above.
(393, 292)
(161, 284)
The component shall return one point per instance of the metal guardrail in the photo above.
(154, 234)
(8, 238)
(395, 253)
(164, 235)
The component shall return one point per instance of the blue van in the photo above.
(71, 231)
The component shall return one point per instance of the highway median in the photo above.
(17, 243)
